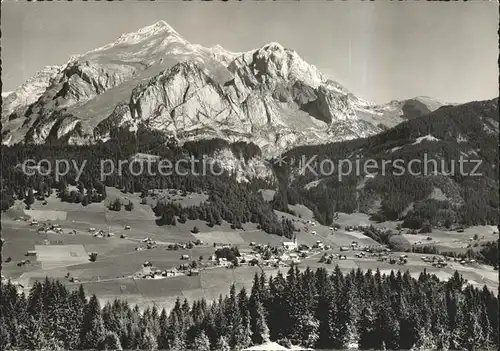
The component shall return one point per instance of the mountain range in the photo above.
(155, 79)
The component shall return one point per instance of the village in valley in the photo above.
(124, 254)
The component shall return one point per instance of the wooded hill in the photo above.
(469, 130)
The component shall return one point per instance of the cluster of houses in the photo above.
(185, 245)
(48, 228)
(290, 253)
(150, 244)
(149, 272)
(440, 262)
(328, 258)
(100, 233)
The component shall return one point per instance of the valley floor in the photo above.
(118, 271)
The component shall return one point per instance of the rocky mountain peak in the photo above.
(154, 78)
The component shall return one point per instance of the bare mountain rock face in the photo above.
(156, 79)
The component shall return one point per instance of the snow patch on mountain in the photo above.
(427, 137)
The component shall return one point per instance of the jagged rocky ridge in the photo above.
(156, 79)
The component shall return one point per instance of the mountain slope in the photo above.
(440, 193)
(156, 79)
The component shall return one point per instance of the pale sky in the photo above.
(379, 51)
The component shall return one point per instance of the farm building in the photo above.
(171, 272)
(31, 253)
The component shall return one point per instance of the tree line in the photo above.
(313, 309)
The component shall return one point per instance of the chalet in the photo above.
(194, 272)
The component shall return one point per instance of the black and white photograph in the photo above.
(249, 175)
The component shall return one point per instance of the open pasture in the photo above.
(84, 217)
(230, 238)
(46, 215)
(170, 286)
(52, 256)
(127, 264)
(261, 237)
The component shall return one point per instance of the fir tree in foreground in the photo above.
(312, 309)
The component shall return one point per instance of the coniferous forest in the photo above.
(314, 309)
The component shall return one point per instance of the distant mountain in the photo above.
(155, 79)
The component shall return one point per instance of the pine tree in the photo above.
(340, 314)
(261, 334)
(93, 326)
(201, 342)
(148, 341)
(222, 344)
(4, 335)
(110, 341)
(177, 344)
(366, 330)
(163, 330)
(408, 327)
(30, 199)
(234, 318)
(244, 333)
(31, 335)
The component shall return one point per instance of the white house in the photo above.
(290, 245)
